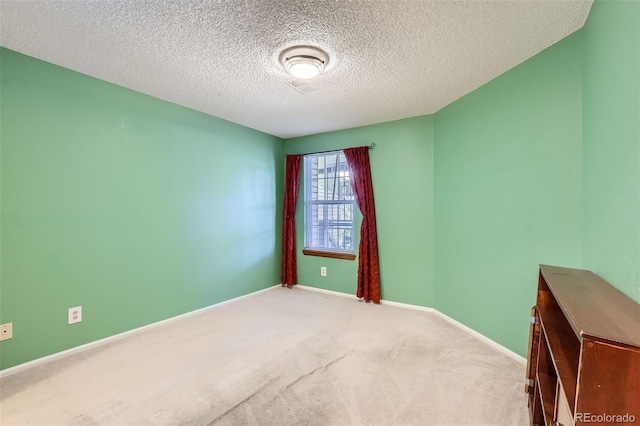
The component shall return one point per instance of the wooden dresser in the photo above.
(583, 366)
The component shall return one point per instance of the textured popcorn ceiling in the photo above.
(388, 59)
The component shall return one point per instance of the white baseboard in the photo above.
(322, 290)
(479, 336)
(30, 364)
(409, 306)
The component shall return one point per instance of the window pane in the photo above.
(329, 202)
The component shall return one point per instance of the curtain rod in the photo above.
(371, 147)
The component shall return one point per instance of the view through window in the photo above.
(329, 202)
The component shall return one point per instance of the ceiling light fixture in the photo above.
(304, 62)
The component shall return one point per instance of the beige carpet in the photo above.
(281, 357)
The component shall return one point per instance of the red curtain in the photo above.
(368, 266)
(292, 183)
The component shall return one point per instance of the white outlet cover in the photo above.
(6, 331)
(75, 315)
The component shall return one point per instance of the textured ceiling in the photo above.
(388, 59)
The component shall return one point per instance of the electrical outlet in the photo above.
(6, 331)
(75, 315)
(323, 271)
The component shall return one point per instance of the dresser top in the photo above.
(594, 307)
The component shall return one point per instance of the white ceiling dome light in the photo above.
(304, 62)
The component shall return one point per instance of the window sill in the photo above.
(331, 254)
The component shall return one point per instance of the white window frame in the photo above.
(309, 204)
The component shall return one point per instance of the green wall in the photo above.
(135, 208)
(402, 174)
(611, 127)
(508, 197)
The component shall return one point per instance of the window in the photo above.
(329, 205)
